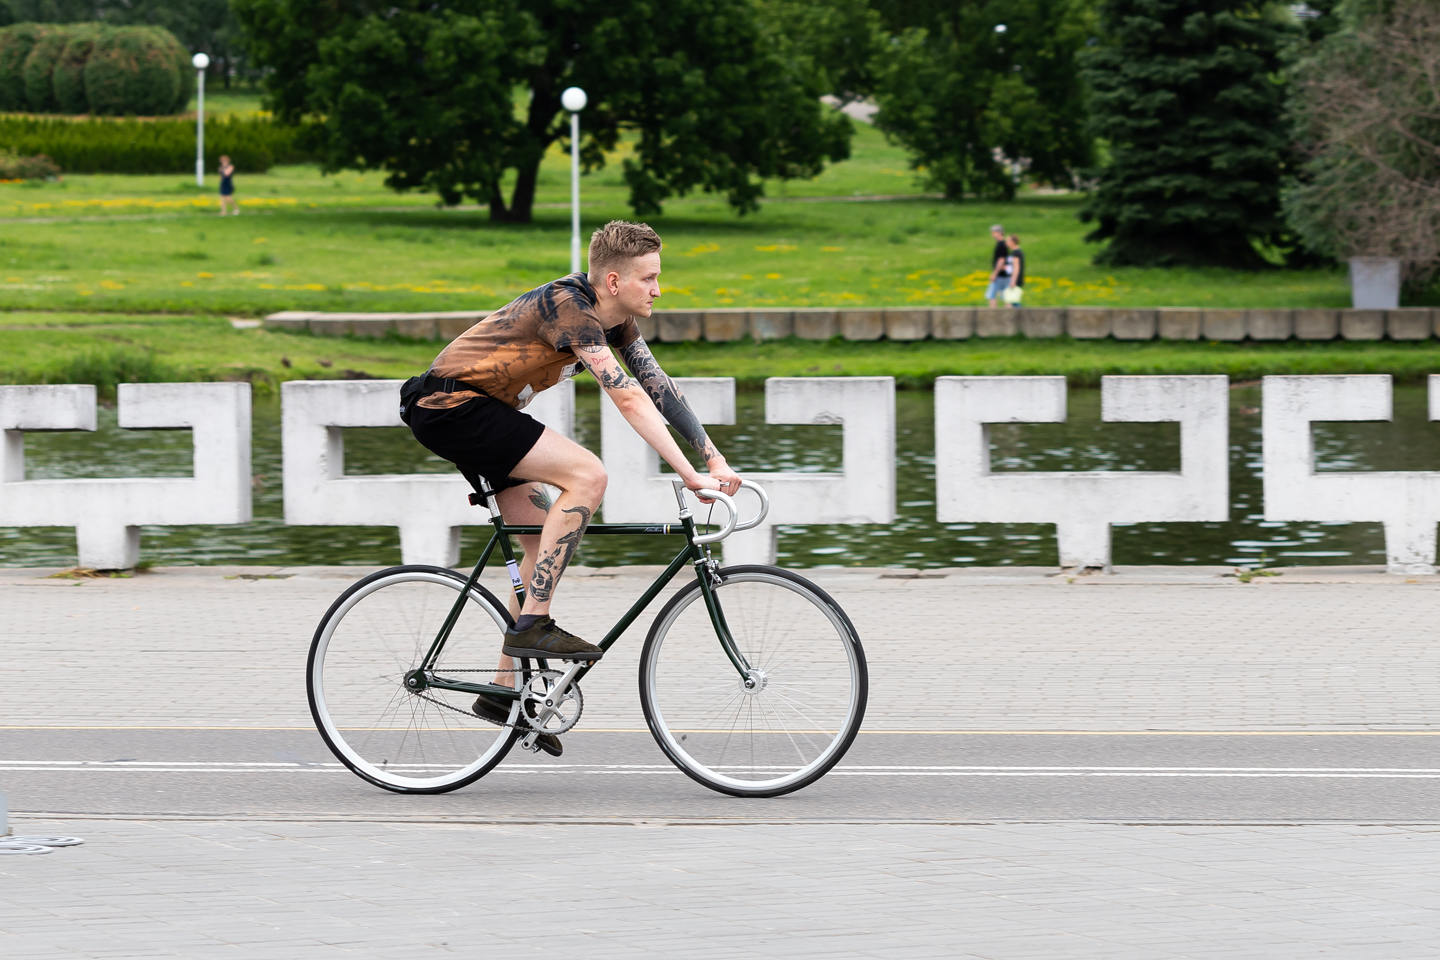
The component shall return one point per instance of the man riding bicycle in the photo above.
(467, 409)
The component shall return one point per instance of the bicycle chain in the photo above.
(472, 713)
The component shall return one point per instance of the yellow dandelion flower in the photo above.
(831, 249)
(772, 276)
(205, 275)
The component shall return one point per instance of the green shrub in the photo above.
(165, 145)
(130, 71)
(27, 168)
(185, 70)
(16, 42)
(40, 67)
(68, 79)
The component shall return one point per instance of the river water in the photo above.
(915, 539)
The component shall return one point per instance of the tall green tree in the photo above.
(985, 92)
(451, 97)
(841, 39)
(1186, 94)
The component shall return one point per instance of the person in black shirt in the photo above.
(1016, 257)
(227, 187)
(999, 271)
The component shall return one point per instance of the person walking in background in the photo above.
(227, 187)
(1015, 292)
(999, 271)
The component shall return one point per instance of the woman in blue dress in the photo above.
(227, 187)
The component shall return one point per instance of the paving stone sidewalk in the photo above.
(1009, 649)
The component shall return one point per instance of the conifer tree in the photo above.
(1185, 95)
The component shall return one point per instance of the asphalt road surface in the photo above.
(619, 777)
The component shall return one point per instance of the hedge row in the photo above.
(92, 68)
(152, 146)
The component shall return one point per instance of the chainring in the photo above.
(534, 697)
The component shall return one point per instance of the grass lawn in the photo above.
(105, 349)
(344, 242)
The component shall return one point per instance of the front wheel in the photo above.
(786, 719)
(372, 637)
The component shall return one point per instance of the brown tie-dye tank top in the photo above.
(527, 345)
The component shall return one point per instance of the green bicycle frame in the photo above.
(691, 552)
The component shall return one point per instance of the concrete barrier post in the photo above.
(429, 509)
(863, 491)
(107, 513)
(1407, 503)
(1082, 505)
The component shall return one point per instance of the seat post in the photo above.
(483, 495)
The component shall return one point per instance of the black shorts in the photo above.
(483, 437)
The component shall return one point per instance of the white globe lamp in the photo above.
(574, 100)
(200, 62)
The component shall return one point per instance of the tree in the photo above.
(1367, 108)
(450, 97)
(984, 92)
(840, 39)
(1186, 95)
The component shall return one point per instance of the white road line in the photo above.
(620, 769)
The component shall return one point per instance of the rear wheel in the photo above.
(784, 722)
(372, 637)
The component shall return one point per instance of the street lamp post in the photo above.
(574, 100)
(201, 61)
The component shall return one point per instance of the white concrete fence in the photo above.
(107, 513)
(1081, 504)
(430, 509)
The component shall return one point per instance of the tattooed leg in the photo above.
(580, 478)
(527, 505)
(552, 561)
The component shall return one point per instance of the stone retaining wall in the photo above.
(936, 323)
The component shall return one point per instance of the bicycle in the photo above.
(752, 679)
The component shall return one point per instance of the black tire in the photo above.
(803, 707)
(370, 638)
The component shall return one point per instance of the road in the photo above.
(613, 777)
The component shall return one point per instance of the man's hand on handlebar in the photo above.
(721, 478)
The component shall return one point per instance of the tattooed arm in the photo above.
(643, 413)
(668, 398)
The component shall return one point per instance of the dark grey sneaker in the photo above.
(547, 641)
(497, 711)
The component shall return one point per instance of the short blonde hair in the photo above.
(620, 240)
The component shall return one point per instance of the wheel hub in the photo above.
(754, 681)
